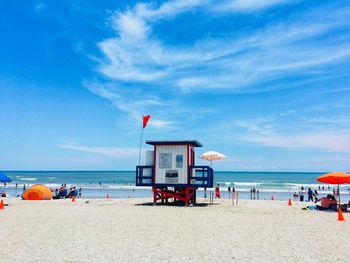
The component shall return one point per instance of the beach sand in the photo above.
(125, 230)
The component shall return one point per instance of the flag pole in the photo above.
(141, 140)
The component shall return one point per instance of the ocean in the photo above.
(121, 184)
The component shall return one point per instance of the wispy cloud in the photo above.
(334, 142)
(262, 125)
(143, 70)
(246, 5)
(111, 152)
(330, 134)
(270, 53)
(134, 103)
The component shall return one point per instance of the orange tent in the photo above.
(37, 192)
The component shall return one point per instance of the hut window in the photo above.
(165, 161)
(179, 161)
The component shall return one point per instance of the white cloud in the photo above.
(287, 113)
(271, 53)
(111, 152)
(169, 8)
(247, 5)
(262, 125)
(134, 103)
(142, 68)
(160, 123)
(334, 142)
(130, 27)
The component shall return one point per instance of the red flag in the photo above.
(145, 120)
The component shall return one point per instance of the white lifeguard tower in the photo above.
(171, 171)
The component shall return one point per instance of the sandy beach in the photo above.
(129, 230)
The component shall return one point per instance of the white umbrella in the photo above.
(212, 156)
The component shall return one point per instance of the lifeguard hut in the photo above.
(171, 171)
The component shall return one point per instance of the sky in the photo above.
(266, 82)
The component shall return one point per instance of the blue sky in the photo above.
(265, 82)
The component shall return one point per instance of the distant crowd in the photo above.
(312, 195)
(325, 203)
(63, 192)
(254, 193)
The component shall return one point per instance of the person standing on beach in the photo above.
(257, 193)
(301, 194)
(310, 195)
(217, 191)
(254, 191)
(229, 192)
(251, 193)
(295, 195)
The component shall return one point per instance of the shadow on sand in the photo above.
(178, 203)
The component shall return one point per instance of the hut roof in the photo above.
(194, 143)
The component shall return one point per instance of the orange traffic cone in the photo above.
(107, 196)
(340, 215)
(73, 199)
(272, 198)
(289, 202)
(2, 204)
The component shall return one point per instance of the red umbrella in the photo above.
(335, 178)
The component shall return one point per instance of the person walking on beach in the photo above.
(229, 192)
(310, 195)
(254, 191)
(257, 193)
(251, 193)
(217, 191)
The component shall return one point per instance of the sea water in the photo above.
(121, 184)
